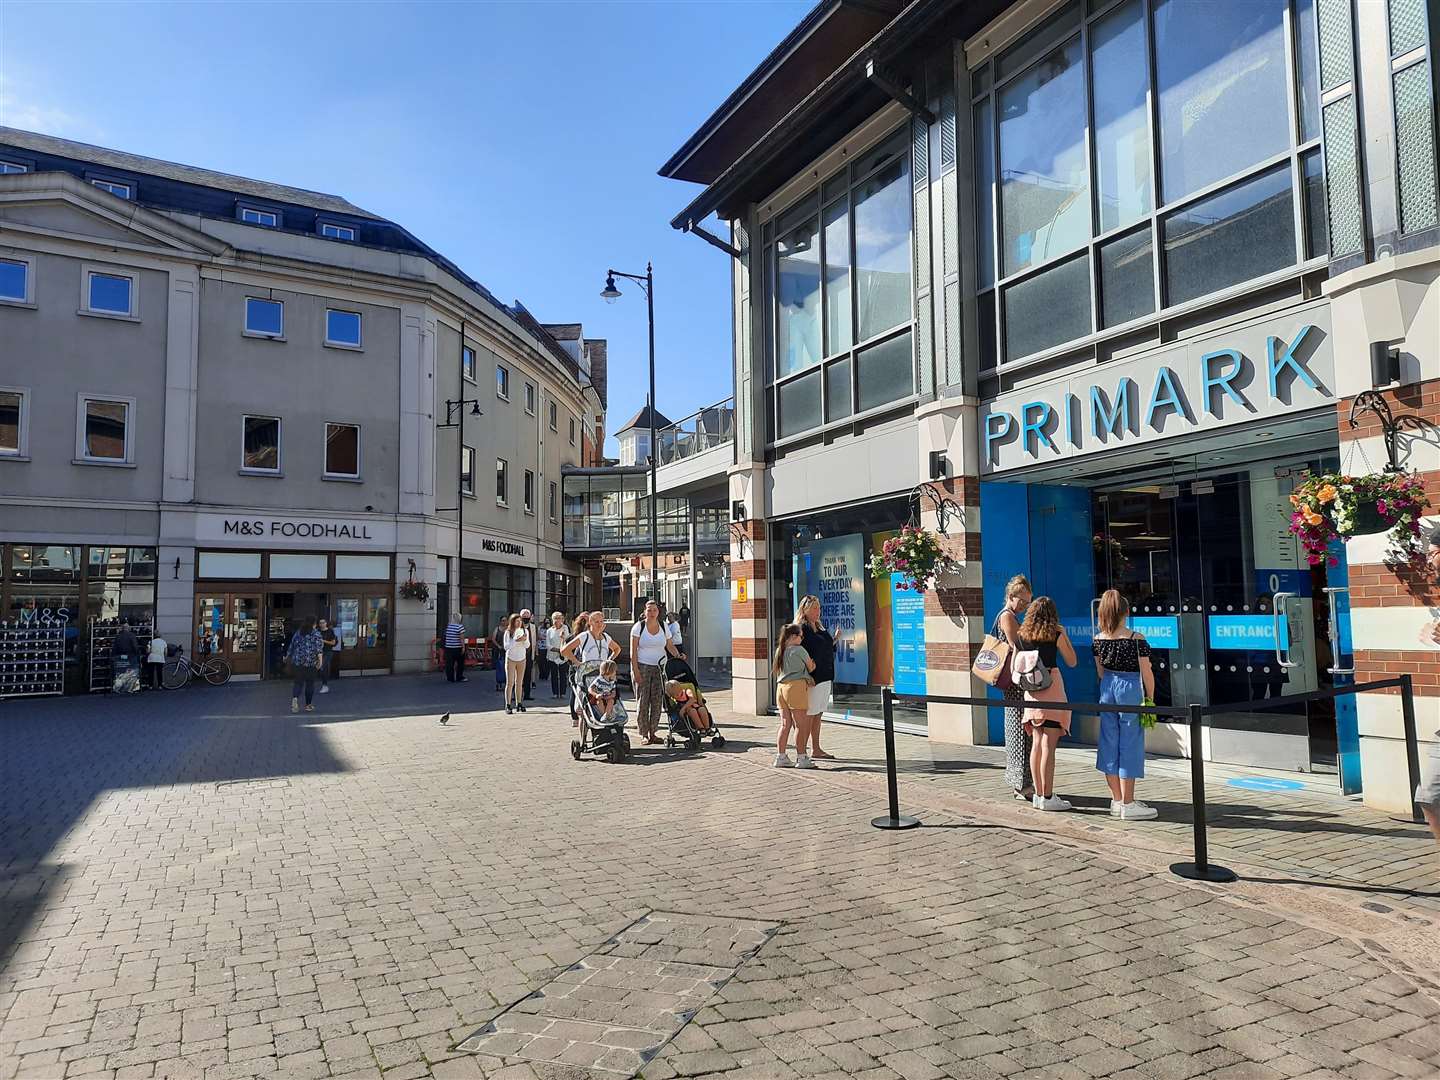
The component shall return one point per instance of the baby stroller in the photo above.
(690, 730)
(598, 735)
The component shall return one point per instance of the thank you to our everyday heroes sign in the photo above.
(1267, 369)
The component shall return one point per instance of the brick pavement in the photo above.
(199, 884)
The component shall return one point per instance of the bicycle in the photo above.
(180, 669)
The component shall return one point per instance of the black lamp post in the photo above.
(610, 294)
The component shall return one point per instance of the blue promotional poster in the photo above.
(907, 627)
(834, 570)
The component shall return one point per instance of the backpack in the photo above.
(1029, 672)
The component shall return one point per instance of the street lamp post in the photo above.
(610, 294)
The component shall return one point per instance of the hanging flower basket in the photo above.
(1335, 507)
(917, 555)
(415, 590)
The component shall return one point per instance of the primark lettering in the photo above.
(1267, 371)
(310, 530)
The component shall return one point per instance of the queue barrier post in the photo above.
(893, 820)
(1412, 741)
(1201, 869)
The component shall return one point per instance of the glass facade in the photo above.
(1145, 129)
(839, 301)
(611, 509)
(491, 593)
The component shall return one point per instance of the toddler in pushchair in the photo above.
(596, 709)
(689, 717)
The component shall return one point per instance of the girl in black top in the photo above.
(1122, 663)
(819, 643)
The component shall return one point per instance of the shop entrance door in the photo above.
(362, 620)
(232, 622)
(1225, 595)
(286, 613)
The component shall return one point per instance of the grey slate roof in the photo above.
(563, 331)
(118, 159)
(642, 420)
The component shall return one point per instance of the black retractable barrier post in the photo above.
(1412, 742)
(893, 820)
(1201, 869)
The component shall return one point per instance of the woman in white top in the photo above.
(517, 651)
(555, 639)
(649, 644)
(155, 662)
(591, 645)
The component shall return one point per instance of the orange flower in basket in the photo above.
(1313, 518)
(1294, 500)
(1328, 493)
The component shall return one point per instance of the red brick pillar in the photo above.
(749, 596)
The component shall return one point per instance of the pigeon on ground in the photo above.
(444, 720)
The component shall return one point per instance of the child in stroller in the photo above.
(689, 717)
(596, 709)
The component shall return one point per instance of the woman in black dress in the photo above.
(818, 642)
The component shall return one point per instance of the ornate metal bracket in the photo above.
(944, 506)
(740, 537)
(1372, 401)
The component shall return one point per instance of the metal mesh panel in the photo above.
(950, 227)
(1342, 186)
(1415, 148)
(1407, 25)
(920, 152)
(924, 352)
(922, 238)
(1336, 52)
(954, 366)
(947, 132)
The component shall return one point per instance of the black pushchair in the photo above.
(599, 735)
(688, 729)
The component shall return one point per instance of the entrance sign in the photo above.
(907, 631)
(1253, 633)
(1271, 368)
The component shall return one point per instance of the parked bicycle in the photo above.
(180, 669)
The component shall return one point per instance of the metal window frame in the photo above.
(1155, 219)
(331, 474)
(241, 209)
(108, 184)
(22, 423)
(335, 343)
(468, 490)
(323, 225)
(527, 492)
(253, 470)
(502, 394)
(82, 401)
(502, 479)
(245, 318)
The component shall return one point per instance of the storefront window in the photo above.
(836, 278)
(1220, 79)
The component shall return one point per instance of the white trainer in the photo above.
(803, 761)
(782, 761)
(1115, 805)
(1137, 811)
(324, 689)
(1037, 801)
(1055, 804)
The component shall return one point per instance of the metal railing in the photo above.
(702, 430)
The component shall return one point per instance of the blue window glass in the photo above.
(1122, 129)
(837, 277)
(985, 193)
(1222, 76)
(267, 218)
(12, 279)
(337, 232)
(264, 316)
(882, 249)
(1044, 181)
(121, 191)
(1237, 234)
(797, 270)
(110, 293)
(1307, 62)
(342, 327)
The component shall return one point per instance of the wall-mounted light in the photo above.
(737, 510)
(1384, 364)
(939, 465)
(177, 567)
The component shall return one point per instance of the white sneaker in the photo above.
(1054, 803)
(1037, 801)
(802, 761)
(324, 689)
(1115, 805)
(782, 761)
(294, 704)
(1137, 811)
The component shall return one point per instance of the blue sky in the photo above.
(520, 139)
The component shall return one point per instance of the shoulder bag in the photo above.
(992, 664)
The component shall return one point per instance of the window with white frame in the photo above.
(572, 431)
(336, 232)
(502, 382)
(467, 470)
(1138, 158)
(529, 492)
(530, 398)
(260, 444)
(552, 496)
(839, 304)
(12, 167)
(342, 328)
(15, 279)
(114, 187)
(14, 421)
(502, 481)
(104, 432)
(342, 450)
(467, 363)
(264, 318)
(251, 216)
(554, 416)
(109, 293)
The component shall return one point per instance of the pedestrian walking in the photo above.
(649, 644)
(1122, 663)
(531, 652)
(792, 668)
(556, 638)
(677, 636)
(455, 650)
(1017, 735)
(330, 642)
(155, 662)
(303, 654)
(497, 649)
(1042, 644)
(820, 646)
(517, 657)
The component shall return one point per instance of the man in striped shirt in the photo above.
(455, 651)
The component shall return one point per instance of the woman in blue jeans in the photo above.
(1122, 661)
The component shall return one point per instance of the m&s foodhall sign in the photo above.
(1267, 369)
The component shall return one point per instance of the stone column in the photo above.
(954, 610)
(749, 595)
(1393, 615)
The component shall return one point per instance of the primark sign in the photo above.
(1268, 369)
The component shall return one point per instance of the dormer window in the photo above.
(114, 187)
(270, 219)
(12, 167)
(336, 232)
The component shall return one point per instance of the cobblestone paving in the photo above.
(199, 884)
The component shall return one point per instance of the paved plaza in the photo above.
(201, 884)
